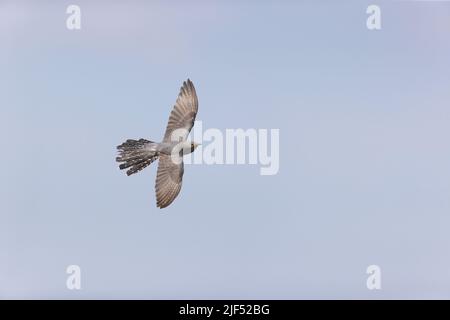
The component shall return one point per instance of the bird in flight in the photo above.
(135, 155)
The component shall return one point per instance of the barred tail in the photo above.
(136, 155)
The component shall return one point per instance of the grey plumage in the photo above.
(138, 154)
(168, 181)
(183, 114)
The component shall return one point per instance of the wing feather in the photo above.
(168, 180)
(183, 115)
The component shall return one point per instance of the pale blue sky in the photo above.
(364, 158)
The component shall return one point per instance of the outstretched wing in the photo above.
(182, 117)
(168, 180)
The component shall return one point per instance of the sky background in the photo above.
(364, 119)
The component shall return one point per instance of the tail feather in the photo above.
(141, 165)
(131, 144)
(136, 155)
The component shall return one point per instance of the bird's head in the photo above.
(194, 145)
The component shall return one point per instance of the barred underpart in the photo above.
(135, 155)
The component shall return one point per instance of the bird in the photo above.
(136, 155)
